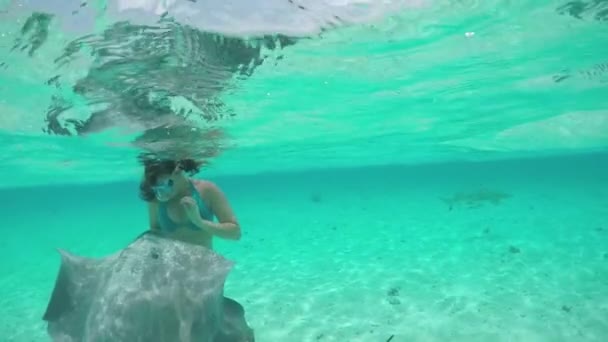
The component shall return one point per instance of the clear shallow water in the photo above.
(486, 252)
(480, 250)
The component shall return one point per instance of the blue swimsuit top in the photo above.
(165, 222)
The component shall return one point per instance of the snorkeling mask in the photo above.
(163, 189)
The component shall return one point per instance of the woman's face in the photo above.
(165, 187)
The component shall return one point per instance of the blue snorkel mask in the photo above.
(163, 189)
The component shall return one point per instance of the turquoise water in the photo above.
(415, 171)
(362, 254)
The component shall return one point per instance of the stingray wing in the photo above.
(154, 290)
(71, 298)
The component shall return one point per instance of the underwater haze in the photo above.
(415, 170)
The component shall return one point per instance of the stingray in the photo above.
(154, 290)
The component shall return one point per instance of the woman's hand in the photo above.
(191, 208)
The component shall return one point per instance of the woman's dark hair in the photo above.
(156, 168)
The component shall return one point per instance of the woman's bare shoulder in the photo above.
(204, 186)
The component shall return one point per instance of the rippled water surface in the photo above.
(88, 86)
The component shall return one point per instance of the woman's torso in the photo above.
(174, 222)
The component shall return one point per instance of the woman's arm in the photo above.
(227, 226)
